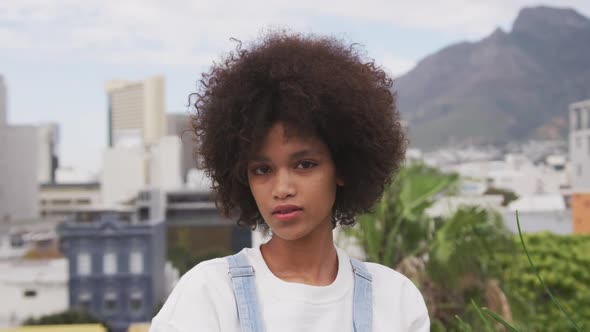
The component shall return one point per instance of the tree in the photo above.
(450, 259)
(398, 227)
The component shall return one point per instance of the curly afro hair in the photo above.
(314, 85)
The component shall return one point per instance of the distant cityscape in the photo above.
(99, 243)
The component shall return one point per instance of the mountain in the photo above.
(509, 86)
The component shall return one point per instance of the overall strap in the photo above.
(362, 309)
(242, 278)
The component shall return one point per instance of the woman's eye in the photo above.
(306, 164)
(261, 170)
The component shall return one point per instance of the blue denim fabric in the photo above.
(242, 275)
(362, 308)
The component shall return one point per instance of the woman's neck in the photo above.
(311, 260)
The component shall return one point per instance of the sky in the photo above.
(56, 55)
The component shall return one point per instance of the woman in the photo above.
(299, 134)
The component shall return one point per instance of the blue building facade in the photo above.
(116, 266)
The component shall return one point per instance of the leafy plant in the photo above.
(546, 325)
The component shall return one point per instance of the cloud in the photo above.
(194, 33)
(186, 32)
(396, 66)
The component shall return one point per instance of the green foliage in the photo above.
(563, 263)
(398, 226)
(464, 254)
(466, 244)
(70, 316)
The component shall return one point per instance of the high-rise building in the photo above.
(136, 112)
(19, 187)
(3, 107)
(48, 160)
(179, 124)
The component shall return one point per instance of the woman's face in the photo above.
(293, 181)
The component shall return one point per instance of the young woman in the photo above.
(299, 134)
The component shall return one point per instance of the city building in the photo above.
(3, 103)
(192, 219)
(579, 137)
(48, 146)
(19, 187)
(136, 111)
(32, 288)
(539, 213)
(179, 124)
(128, 170)
(63, 200)
(164, 162)
(117, 264)
(124, 173)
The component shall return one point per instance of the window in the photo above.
(577, 119)
(84, 264)
(110, 302)
(136, 261)
(30, 293)
(84, 301)
(144, 214)
(109, 263)
(136, 301)
(17, 241)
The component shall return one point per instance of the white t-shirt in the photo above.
(203, 300)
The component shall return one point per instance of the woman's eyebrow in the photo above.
(259, 159)
(295, 155)
(303, 153)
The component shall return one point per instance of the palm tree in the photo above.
(450, 259)
(398, 226)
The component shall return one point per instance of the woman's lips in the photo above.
(287, 216)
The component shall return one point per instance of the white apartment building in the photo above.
(19, 188)
(124, 174)
(579, 140)
(165, 167)
(32, 288)
(127, 170)
(136, 111)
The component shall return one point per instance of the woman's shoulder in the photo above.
(207, 269)
(213, 272)
(196, 297)
(388, 280)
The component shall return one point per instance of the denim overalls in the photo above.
(242, 275)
